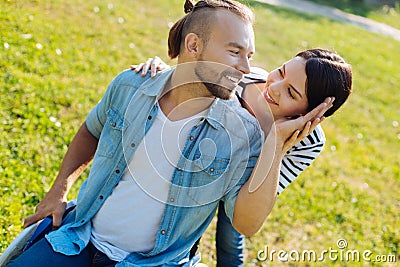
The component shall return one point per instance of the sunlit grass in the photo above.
(387, 12)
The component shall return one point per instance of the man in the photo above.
(131, 211)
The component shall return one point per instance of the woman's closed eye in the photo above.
(280, 72)
(290, 93)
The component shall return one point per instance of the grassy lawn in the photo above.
(57, 59)
(383, 13)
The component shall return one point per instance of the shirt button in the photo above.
(117, 171)
(101, 197)
(172, 199)
(133, 145)
(163, 232)
(211, 169)
(149, 117)
(114, 124)
(82, 221)
(191, 138)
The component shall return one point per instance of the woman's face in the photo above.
(284, 92)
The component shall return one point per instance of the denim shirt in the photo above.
(219, 155)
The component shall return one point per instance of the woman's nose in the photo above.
(274, 88)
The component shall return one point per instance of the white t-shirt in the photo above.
(129, 219)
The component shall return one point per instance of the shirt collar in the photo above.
(216, 114)
(154, 86)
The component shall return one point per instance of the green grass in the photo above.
(388, 14)
(350, 192)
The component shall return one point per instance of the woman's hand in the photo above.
(299, 135)
(153, 64)
(292, 131)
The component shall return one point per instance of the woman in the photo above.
(292, 90)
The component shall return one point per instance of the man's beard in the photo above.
(206, 72)
(219, 91)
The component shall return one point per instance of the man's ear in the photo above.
(193, 45)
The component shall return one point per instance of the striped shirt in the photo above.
(302, 154)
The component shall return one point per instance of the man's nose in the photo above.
(244, 65)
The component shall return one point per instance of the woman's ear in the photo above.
(193, 45)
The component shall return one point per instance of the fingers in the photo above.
(320, 110)
(306, 130)
(329, 103)
(309, 128)
(32, 219)
(146, 66)
(143, 67)
(316, 115)
(315, 123)
(291, 141)
(137, 68)
(316, 112)
(57, 219)
(155, 64)
(301, 127)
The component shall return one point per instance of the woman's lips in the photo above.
(268, 98)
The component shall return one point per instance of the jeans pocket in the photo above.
(101, 260)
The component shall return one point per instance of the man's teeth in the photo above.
(233, 79)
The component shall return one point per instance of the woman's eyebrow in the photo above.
(291, 86)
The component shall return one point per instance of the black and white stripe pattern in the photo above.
(301, 155)
(256, 75)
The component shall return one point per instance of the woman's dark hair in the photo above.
(328, 75)
(199, 19)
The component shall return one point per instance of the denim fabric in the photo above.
(98, 258)
(230, 243)
(218, 157)
(41, 254)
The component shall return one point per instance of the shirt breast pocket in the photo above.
(111, 135)
(208, 181)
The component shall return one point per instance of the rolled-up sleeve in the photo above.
(230, 198)
(245, 168)
(97, 117)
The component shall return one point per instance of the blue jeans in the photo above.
(230, 244)
(41, 254)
